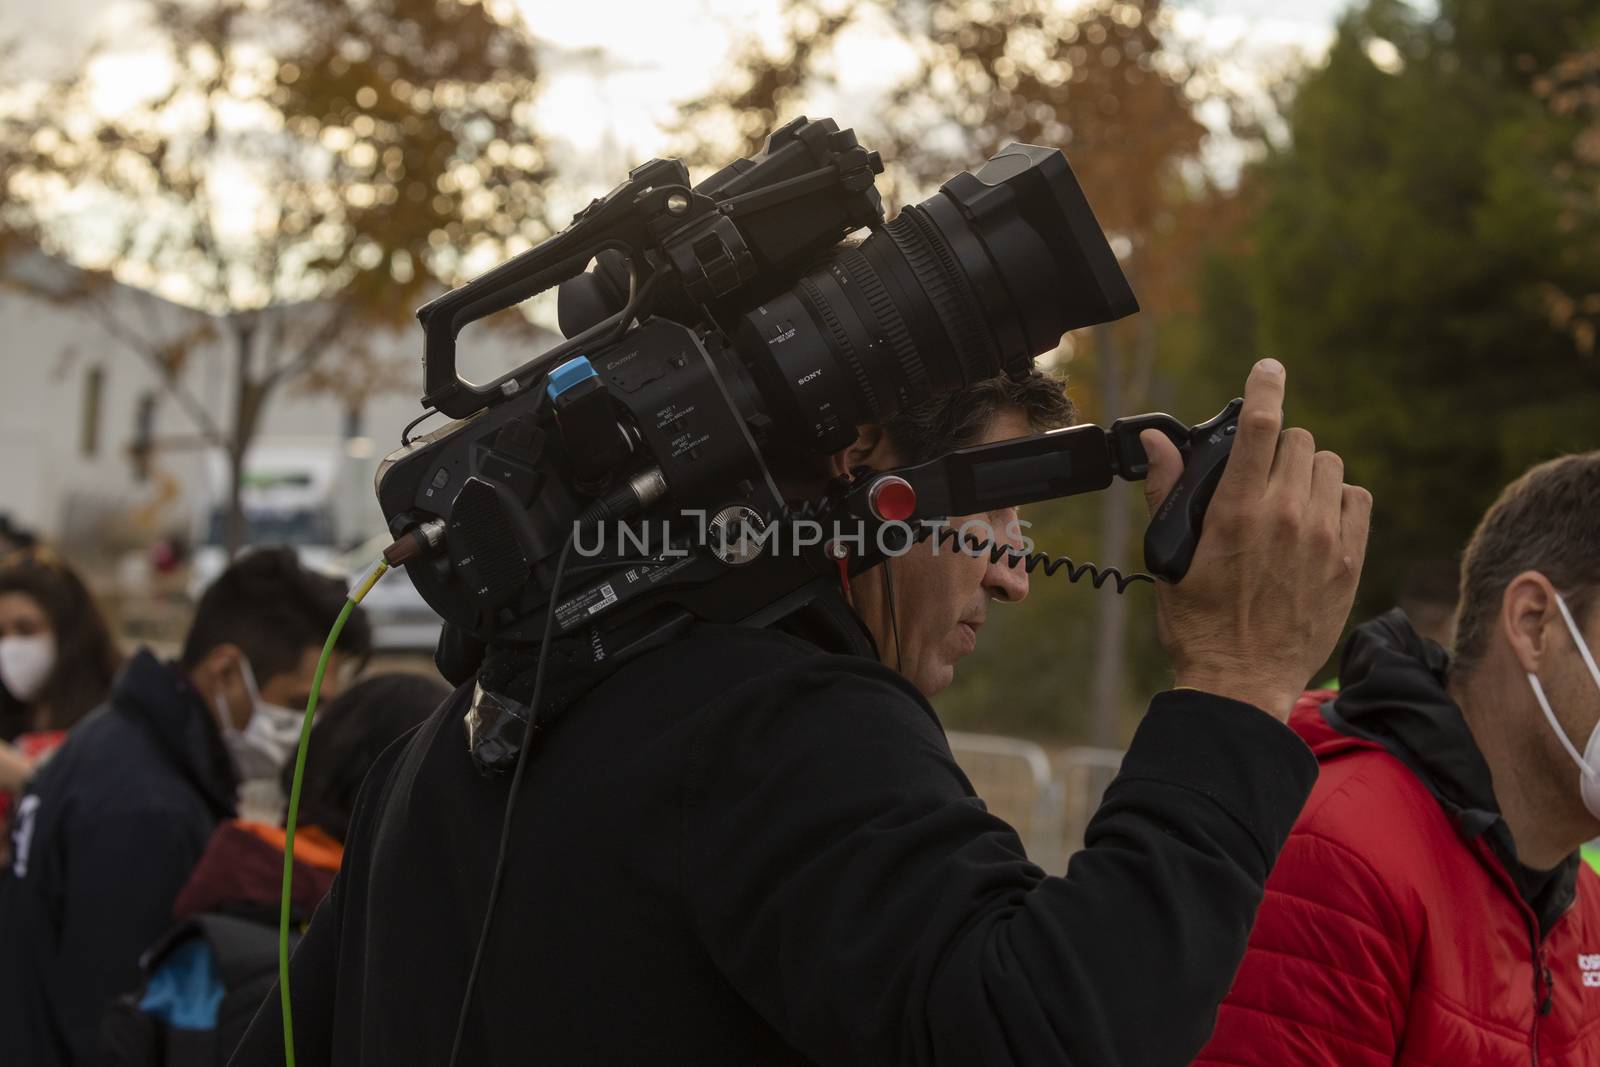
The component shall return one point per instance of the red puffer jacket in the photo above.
(1397, 928)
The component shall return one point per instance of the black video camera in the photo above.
(716, 327)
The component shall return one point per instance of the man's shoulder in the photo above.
(719, 673)
(109, 761)
(723, 659)
(761, 647)
(1373, 810)
(110, 740)
(1586, 900)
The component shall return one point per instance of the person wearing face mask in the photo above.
(111, 827)
(262, 746)
(205, 977)
(57, 659)
(1431, 905)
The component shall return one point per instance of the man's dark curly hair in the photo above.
(960, 418)
(942, 423)
(273, 609)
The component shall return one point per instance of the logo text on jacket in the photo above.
(1589, 964)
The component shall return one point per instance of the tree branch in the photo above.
(149, 352)
(331, 327)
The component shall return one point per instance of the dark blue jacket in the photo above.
(102, 842)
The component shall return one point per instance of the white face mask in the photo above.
(25, 663)
(1589, 761)
(268, 739)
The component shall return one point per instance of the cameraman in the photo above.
(755, 847)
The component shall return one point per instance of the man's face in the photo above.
(220, 678)
(940, 595)
(1569, 686)
(292, 688)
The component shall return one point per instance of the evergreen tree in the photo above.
(1402, 263)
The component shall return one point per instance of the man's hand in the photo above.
(15, 769)
(1275, 571)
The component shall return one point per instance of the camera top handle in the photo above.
(610, 223)
(687, 248)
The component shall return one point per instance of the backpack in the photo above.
(202, 984)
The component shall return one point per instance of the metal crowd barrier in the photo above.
(1049, 803)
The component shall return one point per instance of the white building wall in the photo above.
(48, 353)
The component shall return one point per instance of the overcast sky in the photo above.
(614, 70)
(617, 66)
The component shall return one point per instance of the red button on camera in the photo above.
(892, 499)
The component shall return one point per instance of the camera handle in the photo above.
(505, 286)
(665, 229)
(1078, 459)
(612, 222)
(1174, 530)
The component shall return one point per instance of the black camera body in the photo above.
(506, 480)
(712, 332)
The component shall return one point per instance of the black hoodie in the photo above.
(1392, 691)
(102, 842)
(746, 848)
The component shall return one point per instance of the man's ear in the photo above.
(215, 668)
(1528, 612)
(871, 449)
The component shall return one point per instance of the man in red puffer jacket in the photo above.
(1430, 907)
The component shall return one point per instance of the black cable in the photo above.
(894, 626)
(1097, 575)
(528, 740)
(405, 434)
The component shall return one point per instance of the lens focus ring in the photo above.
(813, 295)
(867, 282)
(936, 268)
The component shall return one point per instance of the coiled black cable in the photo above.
(1032, 561)
(1097, 575)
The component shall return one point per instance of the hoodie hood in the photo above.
(1393, 695)
(163, 701)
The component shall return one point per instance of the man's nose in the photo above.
(1001, 579)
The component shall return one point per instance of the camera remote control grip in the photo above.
(1174, 531)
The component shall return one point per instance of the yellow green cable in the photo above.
(294, 801)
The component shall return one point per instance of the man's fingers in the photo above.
(1355, 519)
(1292, 466)
(1327, 485)
(1259, 422)
(1166, 464)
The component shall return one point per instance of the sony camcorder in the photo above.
(718, 333)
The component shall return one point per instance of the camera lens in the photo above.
(975, 281)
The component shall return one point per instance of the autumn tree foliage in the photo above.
(1424, 257)
(308, 173)
(1571, 90)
